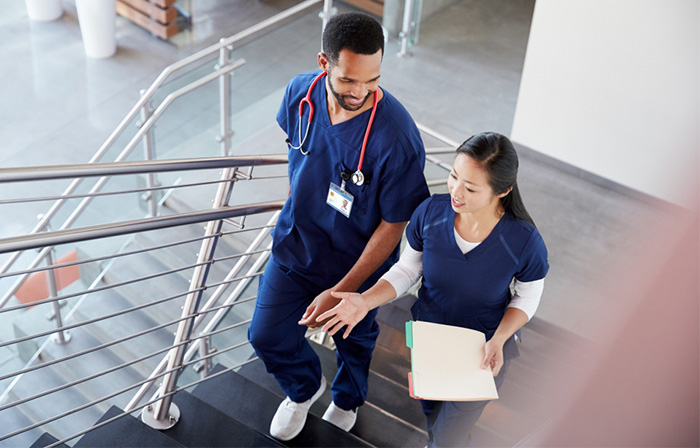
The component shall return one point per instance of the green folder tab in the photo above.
(409, 334)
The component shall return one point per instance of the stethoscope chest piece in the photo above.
(358, 178)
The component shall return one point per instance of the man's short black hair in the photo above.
(353, 31)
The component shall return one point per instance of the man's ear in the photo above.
(322, 61)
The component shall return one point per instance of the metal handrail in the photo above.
(137, 251)
(220, 213)
(35, 173)
(234, 271)
(120, 366)
(234, 41)
(58, 237)
(137, 190)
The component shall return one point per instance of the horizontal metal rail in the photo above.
(123, 365)
(93, 349)
(125, 311)
(436, 182)
(99, 289)
(234, 41)
(234, 271)
(34, 173)
(67, 236)
(136, 190)
(127, 283)
(117, 417)
(126, 389)
(132, 252)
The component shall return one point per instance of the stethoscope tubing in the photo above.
(358, 177)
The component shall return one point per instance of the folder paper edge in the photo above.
(409, 344)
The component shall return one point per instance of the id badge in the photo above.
(339, 199)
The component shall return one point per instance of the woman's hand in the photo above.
(493, 356)
(349, 312)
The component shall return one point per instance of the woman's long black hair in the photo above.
(497, 155)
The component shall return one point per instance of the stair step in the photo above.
(126, 431)
(393, 339)
(13, 420)
(47, 439)
(397, 312)
(254, 406)
(374, 424)
(145, 291)
(108, 302)
(390, 365)
(202, 424)
(50, 406)
(91, 364)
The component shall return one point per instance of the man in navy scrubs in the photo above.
(356, 175)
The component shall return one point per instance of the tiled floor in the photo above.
(59, 106)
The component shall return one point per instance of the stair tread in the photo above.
(254, 405)
(45, 440)
(390, 365)
(202, 424)
(126, 431)
(389, 418)
(49, 406)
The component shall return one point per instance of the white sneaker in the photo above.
(341, 418)
(290, 417)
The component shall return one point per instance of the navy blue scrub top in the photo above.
(313, 239)
(471, 290)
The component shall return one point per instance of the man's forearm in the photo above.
(379, 247)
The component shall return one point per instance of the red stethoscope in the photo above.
(358, 178)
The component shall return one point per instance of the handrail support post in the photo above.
(60, 337)
(409, 30)
(225, 101)
(149, 153)
(163, 408)
(203, 367)
(328, 11)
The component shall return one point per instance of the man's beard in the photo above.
(341, 98)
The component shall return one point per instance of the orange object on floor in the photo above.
(36, 286)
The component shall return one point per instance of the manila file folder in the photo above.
(446, 363)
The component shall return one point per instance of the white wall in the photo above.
(611, 86)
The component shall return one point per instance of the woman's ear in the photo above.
(505, 193)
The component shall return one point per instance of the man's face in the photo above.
(353, 78)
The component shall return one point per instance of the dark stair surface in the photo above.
(124, 432)
(235, 408)
(200, 425)
(203, 425)
(389, 417)
(254, 405)
(47, 439)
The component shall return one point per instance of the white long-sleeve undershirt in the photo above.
(406, 272)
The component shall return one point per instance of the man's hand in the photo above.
(322, 303)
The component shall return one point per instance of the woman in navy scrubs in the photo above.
(469, 246)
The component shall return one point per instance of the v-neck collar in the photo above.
(488, 241)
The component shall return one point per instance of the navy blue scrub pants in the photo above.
(450, 422)
(279, 341)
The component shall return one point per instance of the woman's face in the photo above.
(468, 183)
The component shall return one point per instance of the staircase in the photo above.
(234, 408)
